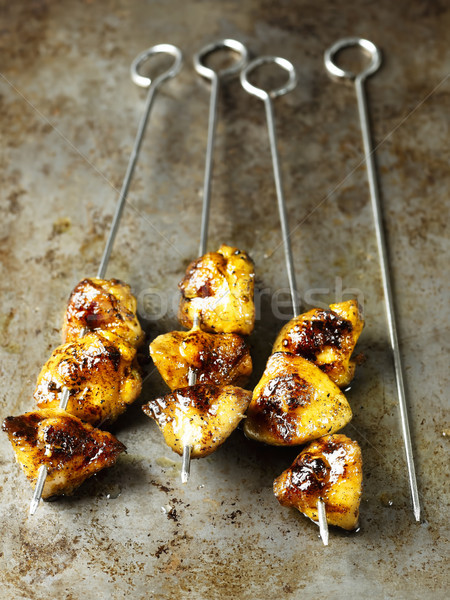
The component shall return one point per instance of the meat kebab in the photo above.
(94, 375)
(97, 372)
(217, 297)
(297, 399)
(201, 368)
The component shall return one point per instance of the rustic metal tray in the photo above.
(69, 112)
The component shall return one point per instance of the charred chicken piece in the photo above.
(101, 373)
(219, 359)
(329, 469)
(218, 287)
(294, 403)
(102, 305)
(71, 450)
(201, 416)
(325, 337)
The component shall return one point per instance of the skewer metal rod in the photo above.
(42, 473)
(64, 399)
(369, 154)
(186, 464)
(215, 77)
(267, 97)
(192, 377)
(323, 525)
(37, 494)
(212, 120)
(281, 205)
(186, 459)
(152, 88)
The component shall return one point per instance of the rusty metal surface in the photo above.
(67, 121)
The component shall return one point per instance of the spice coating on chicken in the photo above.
(71, 450)
(325, 337)
(329, 469)
(294, 403)
(201, 416)
(100, 372)
(102, 305)
(219, 359)
(218, 287)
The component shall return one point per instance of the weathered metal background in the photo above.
(68, 117)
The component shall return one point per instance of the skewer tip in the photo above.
(323, 525)
(34, 505)
(417, 512)
(186, 464)
(37, 494)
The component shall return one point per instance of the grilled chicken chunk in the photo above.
(102, 305)
(71, 450)
(101, 373)
(329, 469)
(219, 359)
(201, 416)
(325, 337)
(218, 287)
(294, 403)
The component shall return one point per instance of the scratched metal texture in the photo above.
(67, 121)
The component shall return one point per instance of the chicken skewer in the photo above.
(217, 292)
(216, 77)
(267, 97)
(359, 79)
(152, 88)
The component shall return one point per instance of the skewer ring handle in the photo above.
(259, 92)
(137, 63)
(370, 49)
(204, 71)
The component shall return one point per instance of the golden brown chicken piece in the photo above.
(294, 403)
(201, 416)
(100, 372)
(102, 305)
(325, 337)
(329, 469)
(218, 287)
(71, 450)
(219, 359)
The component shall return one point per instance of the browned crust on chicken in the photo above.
(325, 337)
(219, 359)
(218, 288)
(294, 402)
(102, 305)
(71, 450)
(100, 372)
(329, 469)
(201, 416)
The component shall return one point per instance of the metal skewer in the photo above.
(152, 86)
(323, 525)
(42, 472)
(359, 79)
(267, 97)
(216, 77)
